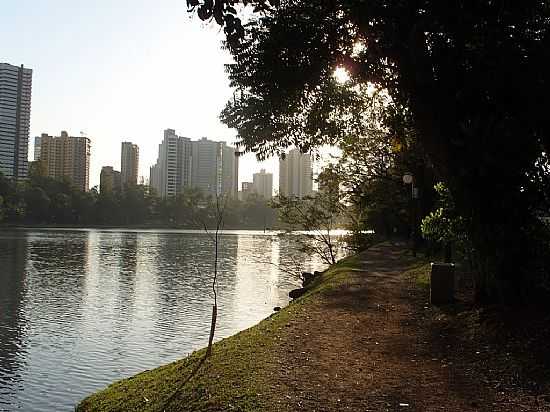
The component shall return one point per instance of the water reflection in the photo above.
(13, 259)
(81, 308)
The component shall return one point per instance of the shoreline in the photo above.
(127, 227)
(363, 337)
(242, 357)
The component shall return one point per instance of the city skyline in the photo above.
(127, 77)
(204, 164)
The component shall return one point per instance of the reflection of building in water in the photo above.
(60, 264)
(13, 261)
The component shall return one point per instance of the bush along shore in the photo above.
(362, 336)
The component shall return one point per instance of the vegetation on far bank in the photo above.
(45, 201)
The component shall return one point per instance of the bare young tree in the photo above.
(214, 215)
(318, 215)
(218, 219)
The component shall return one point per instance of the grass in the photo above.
(420, 274)
(236, 377)
(233, 377)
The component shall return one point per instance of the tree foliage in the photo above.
(42, 200)
(464, 78)
(444, 226)
(319, 215)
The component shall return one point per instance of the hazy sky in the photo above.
(121, 70)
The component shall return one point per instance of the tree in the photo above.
(467, 74)
(444, 226)
(61, 208)
(318, 214)
(38, 204)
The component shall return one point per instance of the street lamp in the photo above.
(408, 179)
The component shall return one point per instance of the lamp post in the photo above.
(408, 179)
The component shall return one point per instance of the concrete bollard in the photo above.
(442, 283)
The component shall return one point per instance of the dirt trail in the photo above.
(373, 345)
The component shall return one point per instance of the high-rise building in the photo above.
(172, 172)
(295, 174)
(37, 148)
(15, 117)
(230, 171)
(206, 161)
(66, 157)
(129, 164)
(263, 184)
(109, 180)
(204, 164)
(246, 190)
(215, 168)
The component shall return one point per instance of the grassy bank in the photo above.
(236, 376)
(363, 338)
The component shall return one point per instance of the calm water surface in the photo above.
(81, 308)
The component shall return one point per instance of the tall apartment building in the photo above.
(172, 172)
(263, 184)
(66, 156)
(206, 161)
(109, 180)
(230, 171)
(15, 116)
(214, 168)
(37, 148)
(246, 190)
(129, 164)
(295, 174)
(204, 164)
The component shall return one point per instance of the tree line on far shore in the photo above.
(42, 200)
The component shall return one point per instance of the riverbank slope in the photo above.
(364, 338)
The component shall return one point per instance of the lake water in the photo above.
(82, 308)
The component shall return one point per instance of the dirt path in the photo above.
(376, 345)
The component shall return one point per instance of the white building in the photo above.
(295, 174)
(263, 184)
(171, 174)
(15, 116)
(204, 164)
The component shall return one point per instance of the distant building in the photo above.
(263, 184)
(171, 174)
(230, 171)
(246, 190)
(15, 116)
(66, 156)
(110, 180)
(295, 175)
(37, 148)
(204, 164)
(129, 164)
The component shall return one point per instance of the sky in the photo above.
(121, 70)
